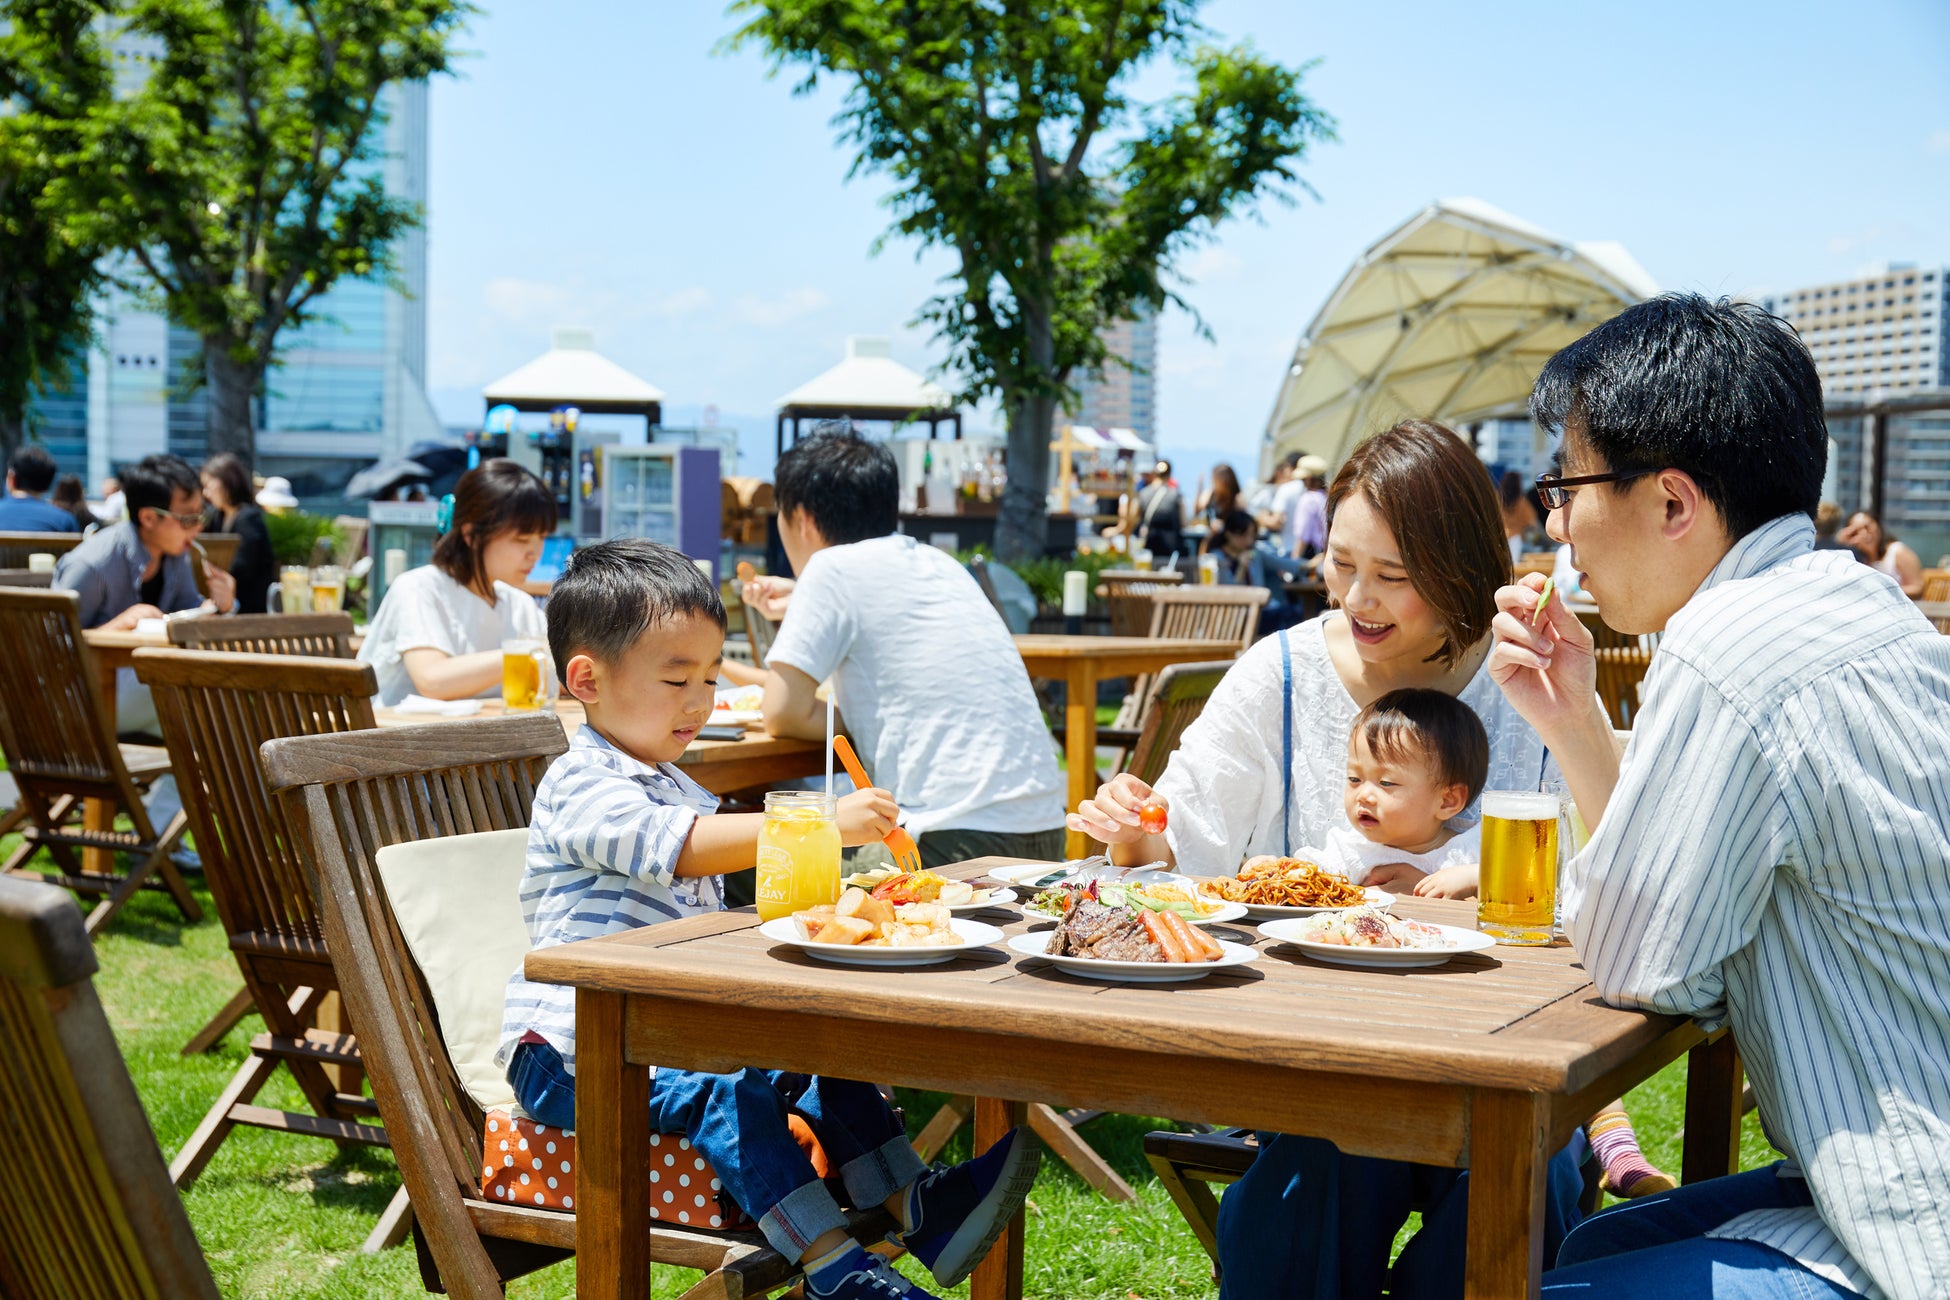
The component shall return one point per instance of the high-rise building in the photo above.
(351, 383)
(1124, 396)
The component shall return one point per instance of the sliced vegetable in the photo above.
(1543, 599)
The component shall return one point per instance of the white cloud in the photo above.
(770, 313)
(1213, 262)
(1940, 141)
(685, 302)
(516, 299)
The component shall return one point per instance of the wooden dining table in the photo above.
(1083, 661)
(1488, 1062)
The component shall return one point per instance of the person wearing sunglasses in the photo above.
(142, 567)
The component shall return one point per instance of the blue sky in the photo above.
(596, 164)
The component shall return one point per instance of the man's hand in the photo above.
(1450, 882)
(768, 596)
(866, 817)
(1111, 815)
(1396, 877)
(1545, 665)
(223, 588)
(128, 618)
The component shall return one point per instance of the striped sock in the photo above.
(1627, 1172)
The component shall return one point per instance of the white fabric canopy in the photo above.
(869, 379)
(1448, 317)
(572, 371)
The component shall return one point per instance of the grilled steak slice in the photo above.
(1127, 943)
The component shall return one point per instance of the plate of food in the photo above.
(1271, 888)
(1130, 945)
(902, 887)
(739, 706)
(1172, 895)
(1368, 936)
(862, 930)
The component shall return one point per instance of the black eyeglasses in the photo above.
(1556, 492)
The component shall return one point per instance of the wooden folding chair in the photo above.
(1621, 660)
(16, 547)
(1937, 611)
(216, 710)
(1188, 1164)
(1936, 585)
(322, 636)
(59, 742)
(1226, 616)
(345, 798)
(89, 1210)
(1127, 593)
(759, 630)
(26, 578)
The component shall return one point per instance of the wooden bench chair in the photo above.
(216, 709)
(321, 636)
(348, 796)
(89, 1210)
(16, 547)
(25, 578)
(760, 631)
(60, 746)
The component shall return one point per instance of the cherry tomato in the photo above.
(1151, 818)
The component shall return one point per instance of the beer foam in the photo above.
(1520, 805)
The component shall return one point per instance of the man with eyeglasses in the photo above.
(1771, 852)
(141, 567)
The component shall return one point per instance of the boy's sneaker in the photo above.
(856, 1275)
(958, 1213)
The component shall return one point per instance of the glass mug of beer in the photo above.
(294, 589)
(327, 589)
(1517, 900)
(527, 676)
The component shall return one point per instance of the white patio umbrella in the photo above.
(1449, 317)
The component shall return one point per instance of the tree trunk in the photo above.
(13, 432)
(1021, 526)
(231, 385)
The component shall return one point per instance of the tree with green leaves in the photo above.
(241, 176)
(51, 67)
(1011, 139)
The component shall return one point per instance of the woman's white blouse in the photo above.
(1223, 783)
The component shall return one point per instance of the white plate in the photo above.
(1376, 898)
(1226, 912)
(1336, 954)
(1131, 972)
(1025, 872)
(996, 897)
(736, 717)
(973, 935)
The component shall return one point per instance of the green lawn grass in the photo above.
(283, 1216)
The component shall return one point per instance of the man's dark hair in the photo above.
(1722, 391)
(1238, 523)
(33, 468)
(152, 481)
(613, 592)
(850, 487)
(1417, 725)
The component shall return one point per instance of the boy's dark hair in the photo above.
(495, 497)
(849, 486)
(151, 482)
(1418, 725)
(1723, 391)
(33, 468)
(613, 592)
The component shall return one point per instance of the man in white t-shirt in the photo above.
(930, 686)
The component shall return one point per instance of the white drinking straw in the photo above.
(829, 742)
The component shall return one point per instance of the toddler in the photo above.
(620, 838)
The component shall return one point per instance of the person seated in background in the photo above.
(933, 690)
(114, 505)
(141, 568)
(1828, 523)
(1215, 503)
(69, 496)
(30, 472)
(1262, 502)
(1158, 516)
(439, 630)
(227, 490)
(1244, 562)
(1519, 514)
(1303, 513)
(1884, 553)
(621, 838)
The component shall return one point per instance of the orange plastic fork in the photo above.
(907, 855)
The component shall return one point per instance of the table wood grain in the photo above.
(1487, 1062)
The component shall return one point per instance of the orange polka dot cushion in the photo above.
(525, 1163)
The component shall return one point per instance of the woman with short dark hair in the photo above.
(229, 495)
(439, 630)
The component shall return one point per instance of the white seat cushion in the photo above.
(458, 904)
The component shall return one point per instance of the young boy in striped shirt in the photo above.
(621, 838)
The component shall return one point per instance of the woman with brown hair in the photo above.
(438, 632)
(229, 495)
(1215, 503)
(1415, 554)
(1884, 553)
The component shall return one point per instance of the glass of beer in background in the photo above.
(1517, 901)
(327, 589)
(526, 675)
(294, 589)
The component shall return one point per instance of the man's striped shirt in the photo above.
(1776, 855)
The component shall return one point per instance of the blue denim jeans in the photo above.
(738, 1123)
(1658, 1246)
(1307, 1222)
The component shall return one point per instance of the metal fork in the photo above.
(907, 855)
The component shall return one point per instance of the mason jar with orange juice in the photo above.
(798, 853)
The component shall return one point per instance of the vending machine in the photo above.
(569, 460)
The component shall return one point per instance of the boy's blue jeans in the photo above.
(737, 1122)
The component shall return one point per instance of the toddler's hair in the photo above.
(1424, 726)
(613, 592)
